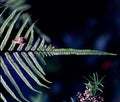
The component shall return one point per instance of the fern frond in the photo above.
(8, 89)
(6, 22)
(9, 31)
(15, 54)
(30, 55)
(72, 100)
(29, 45)
(18, 71)
(13, 4)
(50, 51)
(2, 97)
(19, 34)
(41, 57)
(36, 44)
(21, 4)
(8, 74)
(27, 69)
(31, 64)
(95, 82)
(31, 39)
(3, 11)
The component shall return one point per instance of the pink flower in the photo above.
(87, 97)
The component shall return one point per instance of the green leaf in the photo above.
(72, 100)
(30, 42)
(9, 31)
(36, 45)
(2, 97)
(3, 11)
(14, 58)
(69, 51)
(8, 74)
(32, 56)
(19, 34)
(41, 57)
(29, 45)
(30, 63)
(8, 89)
(18, 71)
(27, 69)
(41, 44)
(12, 4)
(5, 23)
(95, 82)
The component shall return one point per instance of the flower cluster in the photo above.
(88, 96)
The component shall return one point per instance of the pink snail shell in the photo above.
(20, 40)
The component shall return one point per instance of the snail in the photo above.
(20, 40)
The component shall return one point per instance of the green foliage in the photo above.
(28, 51)
(95, 83)
(72, 100)
(21, 5)
(28, 54)
(13, 4)
(93, 90)
(1, 96)
(37, 98)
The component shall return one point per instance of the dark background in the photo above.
(85, 24)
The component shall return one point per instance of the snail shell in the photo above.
(20, 40)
